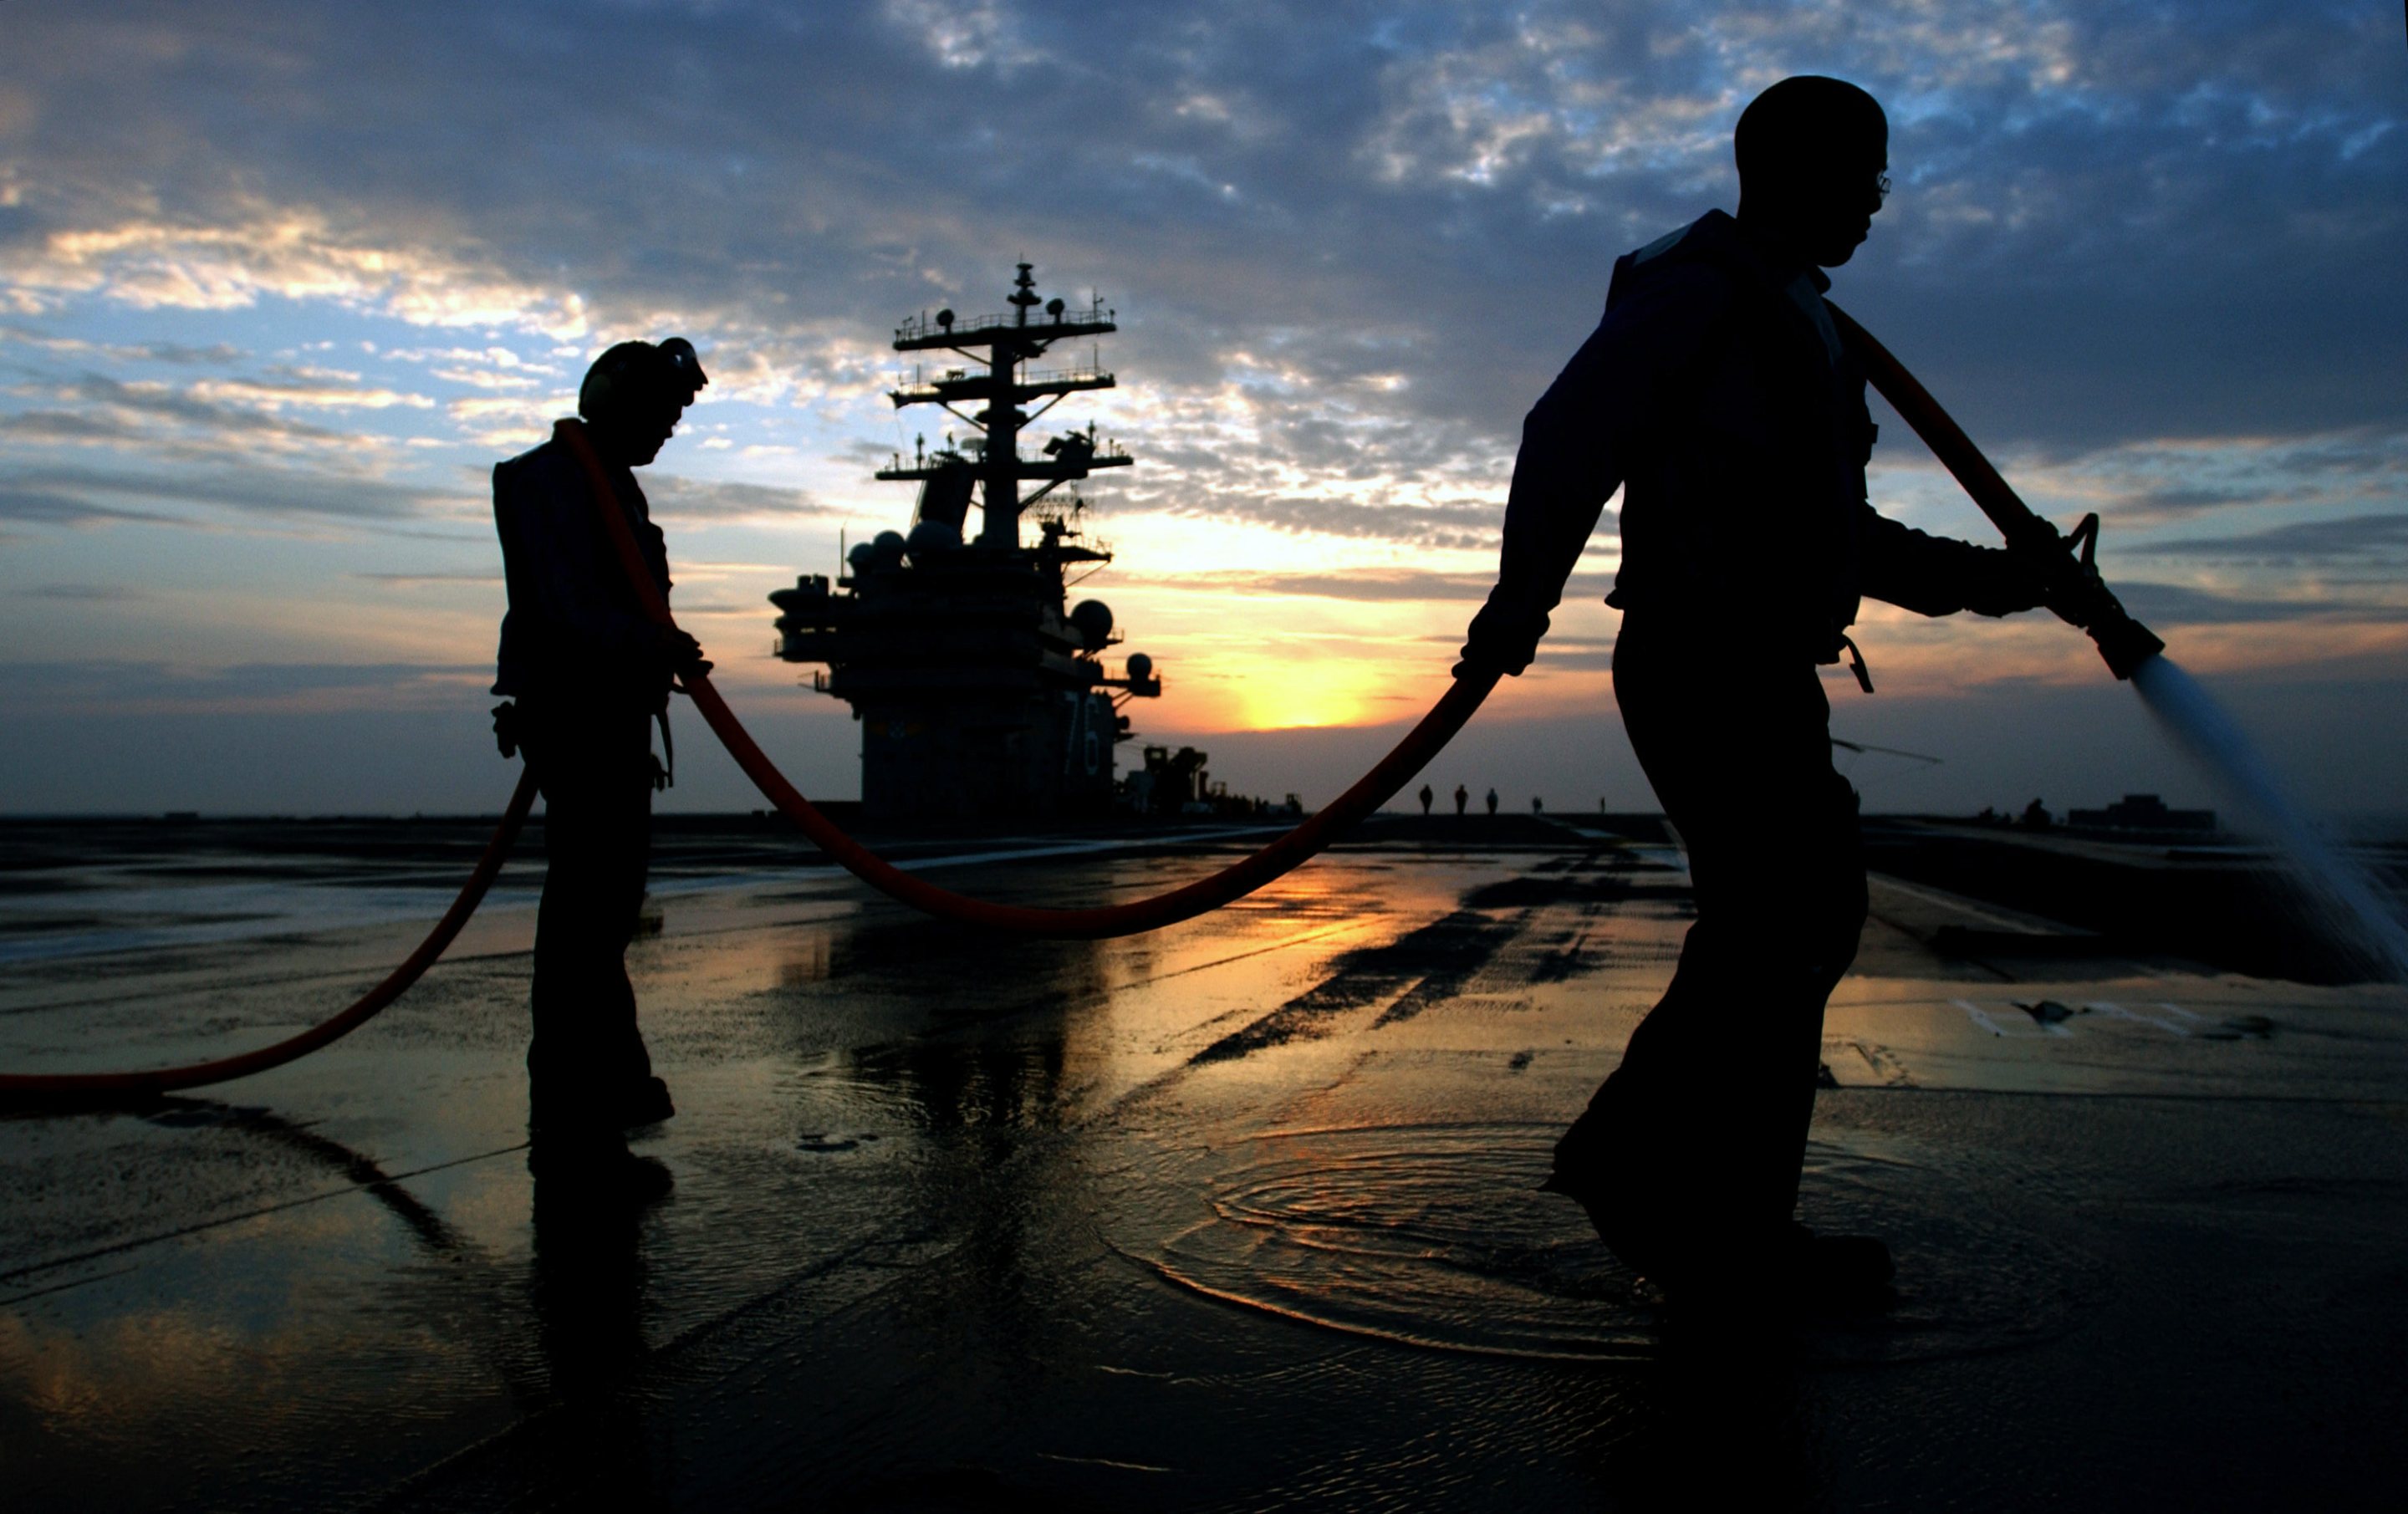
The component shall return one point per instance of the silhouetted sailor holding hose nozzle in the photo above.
(590, 676)
(1718, 393)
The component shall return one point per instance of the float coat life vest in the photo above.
(574, 632)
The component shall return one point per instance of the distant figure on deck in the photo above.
(1538, 806)
(1462, 798)
(1716, 391)
(1427, 798)
(1492, 801)
(588, 677)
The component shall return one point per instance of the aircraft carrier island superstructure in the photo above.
(980, 696)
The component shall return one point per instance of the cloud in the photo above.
(130, 687)
(1574, 654)
(49, 507)
(1461, 526)
(2172, 605)
(71, 493)
(92, 592)
(679, 498)
(214, 355)
(2147, 486)
(1376, 586)
(67, 427)
(420, 580)
(249, 250)
(200, 406)
(2352, 538)
(482, 378)
(1365, 586)
(307, 390)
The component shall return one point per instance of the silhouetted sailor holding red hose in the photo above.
(589, 673)
(1718, 395)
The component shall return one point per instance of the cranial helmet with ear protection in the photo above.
(634, 376)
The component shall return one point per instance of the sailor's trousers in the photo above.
(595, 763)
(1698, 1138)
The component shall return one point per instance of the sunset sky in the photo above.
(279, 283)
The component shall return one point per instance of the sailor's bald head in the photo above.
(1812, 152)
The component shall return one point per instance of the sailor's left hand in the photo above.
(505, 728)
(682, 652)
(2001, 582)
(1502, 639)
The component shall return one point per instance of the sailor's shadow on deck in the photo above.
(587, 1289)
(246, 1123)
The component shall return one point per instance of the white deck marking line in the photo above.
(218, 1222)
(1672, 858)
(1281, 945)
(362, 907)
(1066, 848)
(15, 1299)
(2179, 1011)
(1102, 1460)
(1884, 1068)
(1966, 907)
(1006, 850)
(1981, 1018)
(2118, 1012)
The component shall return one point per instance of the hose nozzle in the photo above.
(2079, 597)
(2125, 642)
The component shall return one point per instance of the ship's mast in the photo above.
(980, 693)
(1010, 342)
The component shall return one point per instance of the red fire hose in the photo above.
(25, 1087)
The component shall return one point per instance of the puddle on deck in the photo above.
(1432, 1237)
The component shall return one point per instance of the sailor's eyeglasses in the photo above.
(1880, 185)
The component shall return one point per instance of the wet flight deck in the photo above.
(1236, 1216)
